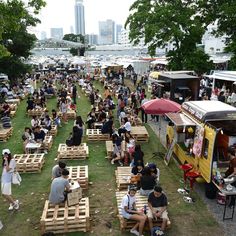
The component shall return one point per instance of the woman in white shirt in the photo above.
(63, 109)
(35, 122)
(9, 165)
(125, 128)
(129, 211)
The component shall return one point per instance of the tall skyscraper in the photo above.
(57, 33)
(79, 17)
(43, 35)
(106, 32)
(118, 31)
(91, 39)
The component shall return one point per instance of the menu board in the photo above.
(198, 141)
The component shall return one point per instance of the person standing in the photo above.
(9, 165)
(74, 93)
(144, 115)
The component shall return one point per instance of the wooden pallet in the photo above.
(135, 121)
(5, 134)
(63, 219)
(29, 162)
(140, 202)
(75, 152)
(109, 147)
(140, 133)
(96, 135)
(13, 106)
(80, 174)
(12, 113)
(47, 142)
(53, 131)
(123, 175)
(71, 114)
(36, 112)
(13, 101)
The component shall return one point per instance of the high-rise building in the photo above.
(43, 35)
(91, 39)
(57, 33)
(118, 31)
(79, 17)
(106, 32)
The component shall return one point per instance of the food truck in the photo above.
(201, 134)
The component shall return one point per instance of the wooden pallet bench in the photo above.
(36, 112)
(135, 121)
(140, 202)
(109, 147)
(13, 101)
(53, 130)
(29, 162)
(71, 114)
(96, 135)
(140, 133)
(47, 142)
(61, 219)
(123, 175)
(12, 113)
(13, 106)
(5, 134)
(80, 152)
(80, 174)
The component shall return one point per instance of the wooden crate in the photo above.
(140, 202)
(96, 135)
(5, 134)
(53, 131)
(109, 147)
(123, 175)
(36, 112)
(80, 174)
(75, 152)
(61, 219)
(140, 133)
(29, 162)
(47, 142)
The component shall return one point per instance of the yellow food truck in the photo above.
(201, 134)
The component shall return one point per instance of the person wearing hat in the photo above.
(9, 166)
(129, 211)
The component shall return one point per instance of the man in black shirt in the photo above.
(157, 203)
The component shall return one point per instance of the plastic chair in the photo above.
(186, 168)
(191, 176)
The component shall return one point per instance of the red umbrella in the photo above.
(160, 106)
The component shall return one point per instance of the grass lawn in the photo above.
(193, 219)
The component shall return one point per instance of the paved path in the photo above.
(229, 226)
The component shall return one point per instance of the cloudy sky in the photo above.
(60, 13)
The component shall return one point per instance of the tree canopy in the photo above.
(78, 38)
(178, 23)
(15, 41)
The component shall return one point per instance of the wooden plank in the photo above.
(80, 174)
(96, 135)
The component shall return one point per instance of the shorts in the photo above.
(6, 188)
(125, 214)
(164, 214)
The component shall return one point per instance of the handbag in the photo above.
(16, 178)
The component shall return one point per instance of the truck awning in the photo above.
(180, 119)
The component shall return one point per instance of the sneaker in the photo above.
(112, 162)
(134, 231)
(11, 207)
(16, 205)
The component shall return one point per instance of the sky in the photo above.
(60, 13)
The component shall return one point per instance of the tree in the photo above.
(161, 23)
(77, 38)
(16, 17)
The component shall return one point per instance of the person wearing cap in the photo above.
(9, 166)
(157, 204)
(129, 211)
(59, 188)
(57, 169)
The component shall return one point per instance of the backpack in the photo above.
(156, 231)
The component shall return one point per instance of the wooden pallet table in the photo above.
(13, 101)
(96, 135)
(80, 174)
(36, 112)
(5, 134)
(80, 152)
(140, 133)
(31, 163)
(123, 175)
(53, 130)
(61, 219)
(140, 202)
(71, 114)
(109, 147)
(47, 142)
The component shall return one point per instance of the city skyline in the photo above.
(64, 16)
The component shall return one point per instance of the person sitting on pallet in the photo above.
(117, 154)
(147, 182)
(39, 134)
(157, 204)
(129, 211)
(107, 127)
(57, 169)
(125, 128)
(60, 187)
